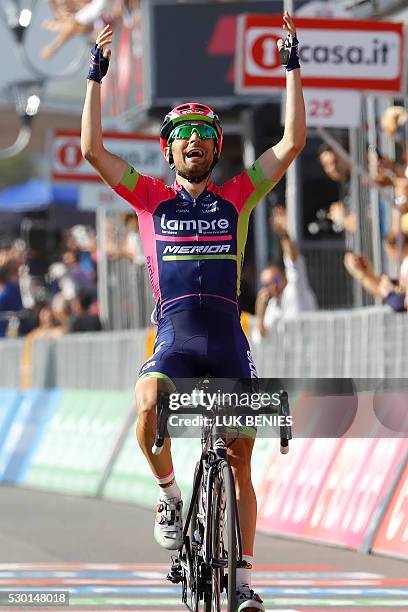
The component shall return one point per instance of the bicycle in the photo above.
(207, 560)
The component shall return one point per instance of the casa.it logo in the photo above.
(223, 42)
(265, 52)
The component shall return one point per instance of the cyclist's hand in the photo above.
(289, 24)
(288, 48)
(100, 55)
(103, 41)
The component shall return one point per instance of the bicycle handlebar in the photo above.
(162, 412)
(285, 430)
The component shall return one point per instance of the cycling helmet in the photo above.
(184, 113)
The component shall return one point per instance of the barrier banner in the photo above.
(78, 441)
(354, 489)
(8, 405)
(32, 412)
(392, 537)
(291, 483)
(132, 480)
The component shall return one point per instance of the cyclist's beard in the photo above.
(194, 171)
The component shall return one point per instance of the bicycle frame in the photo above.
(196, 573)
(213, 453)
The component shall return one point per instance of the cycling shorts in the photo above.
(196, 344)
(200, 343)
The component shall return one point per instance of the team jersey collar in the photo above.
(187, 196)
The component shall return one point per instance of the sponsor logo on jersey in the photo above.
(183, 202)
(148, 365)
(210, 207)
(201, 226)
(159, 346)
(150, 268)
(182, 208)
(188, 250)
(251, 364)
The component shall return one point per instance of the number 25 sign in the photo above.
(331, 108)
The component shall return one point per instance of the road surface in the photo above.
(103, 552)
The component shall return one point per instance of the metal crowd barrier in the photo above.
(100, 360)
(11, 351)
(370, 342)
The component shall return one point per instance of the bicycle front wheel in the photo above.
(223, 541)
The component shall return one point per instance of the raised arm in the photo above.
(276, 160)
(360, 268)
(280, 225)
(110, 167)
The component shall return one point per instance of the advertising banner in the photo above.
(31, 414)
(8, 405)
(140, 150)
(358, 480)
(78, 441)
(392, 537)
(290, 484)
(334, 53)
(132, 480)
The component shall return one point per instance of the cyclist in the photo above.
(194, 234)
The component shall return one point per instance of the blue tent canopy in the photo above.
(36, 194)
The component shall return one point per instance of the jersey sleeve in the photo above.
(141, 191)
(246, 189)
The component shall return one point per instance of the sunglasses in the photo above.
(276, 280)
(185, 131)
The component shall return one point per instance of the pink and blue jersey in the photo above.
(194, 248)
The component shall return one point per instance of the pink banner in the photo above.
(360, 476)
(291, 485)
(392, 537)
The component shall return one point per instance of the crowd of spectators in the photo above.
(50, 300)
(393, 174)
(285, 291)
(50, 296)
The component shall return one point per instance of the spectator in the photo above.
(132, 247)
(338, 170)
(285, 291)
(393, 121)
(47, 325)
(69, 21)
(390, 291)
(401, 194)
(62, 311)
(82, 320)
(82, 241)
(75, 279)
(335, 167)
(10, 296)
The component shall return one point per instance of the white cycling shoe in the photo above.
(168, 527)
(248, 600)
